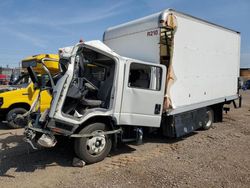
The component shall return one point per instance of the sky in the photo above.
(29, 27)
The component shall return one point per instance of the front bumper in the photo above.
(51, 127)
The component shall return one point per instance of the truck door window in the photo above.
(145, 76)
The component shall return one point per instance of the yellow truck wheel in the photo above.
(11, 115)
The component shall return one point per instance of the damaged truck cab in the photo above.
(173, 82)
(98, 91)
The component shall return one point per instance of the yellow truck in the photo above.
(18, 98)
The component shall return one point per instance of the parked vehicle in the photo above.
(3, 79)
(246, 85)
(17, 98)
(15, 76)
(178, 74)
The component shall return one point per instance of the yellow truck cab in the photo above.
(18, 98)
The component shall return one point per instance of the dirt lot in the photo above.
(219, 157)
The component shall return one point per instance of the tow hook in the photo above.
(29, 135)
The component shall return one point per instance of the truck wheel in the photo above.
(209, 119)
(93, 149)
(12, 114)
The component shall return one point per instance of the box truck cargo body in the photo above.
(178, 74)
(202, 58)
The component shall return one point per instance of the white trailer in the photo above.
(179, 73)
(203, 58)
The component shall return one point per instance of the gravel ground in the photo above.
(219, 157)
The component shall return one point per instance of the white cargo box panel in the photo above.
(137, 39)
(205, 59)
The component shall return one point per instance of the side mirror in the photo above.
(33, 76)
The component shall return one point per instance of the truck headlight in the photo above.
(1, 101)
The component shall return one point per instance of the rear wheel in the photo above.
(11, 116)
(209, 119)
(95, 148)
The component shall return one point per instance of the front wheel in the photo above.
(209, 119)
(95, 148)
(11, 118)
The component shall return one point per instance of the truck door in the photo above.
(143, 93)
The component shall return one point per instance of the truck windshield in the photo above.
(22, 81)
(91, 84)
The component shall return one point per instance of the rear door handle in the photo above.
(157, 108)
(25, 94)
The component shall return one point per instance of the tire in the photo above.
(10, 118)
(209, 119)
(100, 145)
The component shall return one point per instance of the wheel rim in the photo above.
(209, 118)
(13, 117)
(96, 144)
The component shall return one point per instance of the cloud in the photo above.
(245, 60)
(56, 20)
(26, 37)
(85, 16)
(4, 3)
(160, 4)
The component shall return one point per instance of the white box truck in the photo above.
(202, 58)
(178, 74)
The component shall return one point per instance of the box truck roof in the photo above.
(151, 22)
